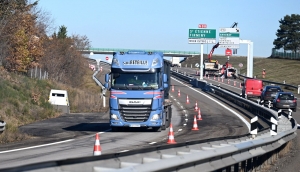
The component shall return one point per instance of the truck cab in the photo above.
(139, 88)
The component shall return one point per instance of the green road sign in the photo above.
(229, 35)
(202, 33)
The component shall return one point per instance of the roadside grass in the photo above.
(277, 70)
(24, 100)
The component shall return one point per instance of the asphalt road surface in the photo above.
(73, 135)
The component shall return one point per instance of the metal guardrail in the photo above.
(244, 153)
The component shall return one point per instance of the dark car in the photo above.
(285, 100)
(269, 93)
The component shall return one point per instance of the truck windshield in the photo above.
(142, 81)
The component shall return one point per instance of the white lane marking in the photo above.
(49, 144)
(184, 124)
(238, 115)
(38, 146)
(180, 130)
(152, 143)
(124, 151)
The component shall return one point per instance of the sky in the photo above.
(164, 24)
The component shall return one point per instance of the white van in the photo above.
(59, 98)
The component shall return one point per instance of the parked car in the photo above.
(285, 100)
(251, 88)
(269, 93)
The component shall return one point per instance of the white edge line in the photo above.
(38, 146)
(238, 115)
(152, 143)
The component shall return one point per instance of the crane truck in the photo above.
(139, 84)
(226, 70)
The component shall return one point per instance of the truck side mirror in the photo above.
(107, 78)
(165, 78)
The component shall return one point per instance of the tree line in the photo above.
(25, 43)
(288, 34)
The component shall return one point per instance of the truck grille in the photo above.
(135, 113)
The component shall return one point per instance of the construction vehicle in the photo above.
(226, 70)
(139, 84)
(211, 68)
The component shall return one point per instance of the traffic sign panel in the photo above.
(228, 52)
(229, 46)
(202, 36)
(241, 65)
(202, 33)
(202, 41)
(202, 25)
(229, 37)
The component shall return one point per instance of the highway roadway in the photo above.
(73, 135)
(288, 163)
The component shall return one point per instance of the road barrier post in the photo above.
(298, 89)
(273, 130)
(253, 127)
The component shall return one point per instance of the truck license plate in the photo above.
(250, 92)
(134, 125)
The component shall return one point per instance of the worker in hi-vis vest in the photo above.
(264, 73)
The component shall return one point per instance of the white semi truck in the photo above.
(176, 61)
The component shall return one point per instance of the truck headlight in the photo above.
(155, 117)
(114, 116)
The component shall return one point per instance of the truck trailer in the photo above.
(139, 84)
(176, 62)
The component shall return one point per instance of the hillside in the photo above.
(24, 100)
(277, 70)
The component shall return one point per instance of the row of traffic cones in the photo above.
(171, 139)
(228, 81)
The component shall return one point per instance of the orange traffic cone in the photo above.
(171, 139)
(172, 88)
(234, 83)
(218, 79)
(195, 126)
(199, 115)
(97, 147)
(227, 81)
(214, 77)
(187, 99)
(196, 106)
(178, 92)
